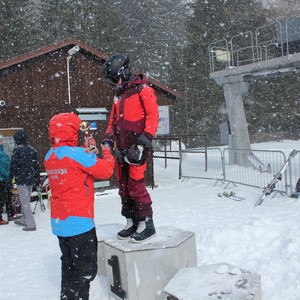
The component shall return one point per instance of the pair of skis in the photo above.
(277, 177)
(230, 195)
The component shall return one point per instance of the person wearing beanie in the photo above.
(24, 169)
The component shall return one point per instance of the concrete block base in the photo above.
(141, 271)
(214, 282)
(105, 232)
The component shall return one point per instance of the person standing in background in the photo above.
(5, 185)
(24, 168)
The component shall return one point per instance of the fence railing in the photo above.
(264, 164)
(272, 40)
(170, 147)
(197, 163)
(294, 172)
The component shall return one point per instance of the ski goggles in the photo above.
(112, 80)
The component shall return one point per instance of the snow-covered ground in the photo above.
(264, 240)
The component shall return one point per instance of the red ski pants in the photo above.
(136, 201)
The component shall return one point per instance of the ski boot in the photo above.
(128, 230)
(145, 231)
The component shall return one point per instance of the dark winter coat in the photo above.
(24, 165)
(4, 164)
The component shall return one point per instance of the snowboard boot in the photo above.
(128, 230)
(144, 232)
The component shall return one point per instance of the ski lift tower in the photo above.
(271, 50)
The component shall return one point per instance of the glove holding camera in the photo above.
(115, 152)
(107, 143)
(90, 143)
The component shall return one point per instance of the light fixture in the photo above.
(73, 50)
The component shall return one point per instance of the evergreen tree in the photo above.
(211, 20)
(59, 21)
(272, 108)
(153, 31)
(13, 28)
(101, 27)
(26, 25)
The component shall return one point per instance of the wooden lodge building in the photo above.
(51, 80)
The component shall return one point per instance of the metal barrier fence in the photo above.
(294, 171)
(198, 163)
(169, 147)
(263, 165)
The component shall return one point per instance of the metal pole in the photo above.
(71, 52)
(68, 72)
(186, 103)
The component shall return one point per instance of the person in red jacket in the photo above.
(131, 127)
(71, 171)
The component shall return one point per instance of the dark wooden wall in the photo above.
(36, 89)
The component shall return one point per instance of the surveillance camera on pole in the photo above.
(71, 52)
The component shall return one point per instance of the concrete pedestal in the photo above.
(105, 232)
(214, 282)
(141, 271)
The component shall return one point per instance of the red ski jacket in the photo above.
(71, 171)
(134, 111)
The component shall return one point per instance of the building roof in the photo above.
(71, 43)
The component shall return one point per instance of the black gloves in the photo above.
(145, 139)
(118, 155)
(135, 155)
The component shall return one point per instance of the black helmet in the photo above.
(115, 67)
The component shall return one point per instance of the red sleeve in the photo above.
(149, 101)
(104, 168)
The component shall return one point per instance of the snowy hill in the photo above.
(264, 240)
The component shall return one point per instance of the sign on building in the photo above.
(163, 125)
